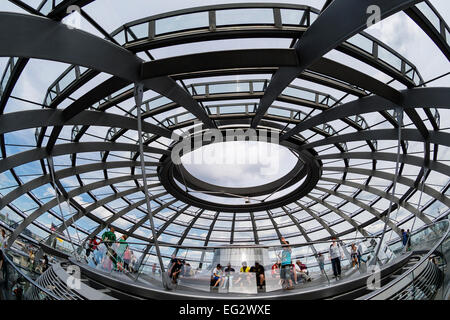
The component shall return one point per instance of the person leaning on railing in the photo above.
(175, 271)
(108, 238)
(301, 272)
(122, 247)
(92, 245)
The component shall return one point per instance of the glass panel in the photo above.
(213, 110)
(185, 117)
(258, 86)
(6, 76)
(120, 37)
(313, 17)
(67, 79)
(298, 93)
(47, 7)
(447, 36)
(244, 16)
(232, 109)
(292, 16)
(20, 283)
(183, 22)
(33, 3)
(280, 112)
(389, 58)
(430, 15)
(229, 87)
(199, 90)
(159, 102)
(140, 30)
(361, 42)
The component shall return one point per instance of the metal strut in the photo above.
(399, 114)
(138, 95)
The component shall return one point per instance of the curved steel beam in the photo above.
(47, 206)
(36, 37)
(22, 120)
(411, 99)
(320, 39)
(341, 214)
(317, 218)
(70, 148)
(358, 203)
(57, 13)
(65, 173)
(436, 137)
(154, 212)
(439, 36)
(377, 192)
(390, 177)
(219, 60)
(384, 156)
(102, 202)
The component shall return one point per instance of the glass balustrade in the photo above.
(17, 283)
(235, 269)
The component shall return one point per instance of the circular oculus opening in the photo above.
(239, 164)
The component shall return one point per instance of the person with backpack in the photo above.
(335, 257)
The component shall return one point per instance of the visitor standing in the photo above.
(321, 261)
(286, 265)
(335, 257)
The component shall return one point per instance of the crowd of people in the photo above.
(108, 253)
(289, 272)
(221, 277)
(113, 254)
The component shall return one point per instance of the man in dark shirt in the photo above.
(175, 271)
(259, 270)
(228, 269)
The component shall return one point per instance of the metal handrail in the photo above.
(26, 277)
(416, 266)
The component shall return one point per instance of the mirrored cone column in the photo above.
(399, 116)
(138, 95)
